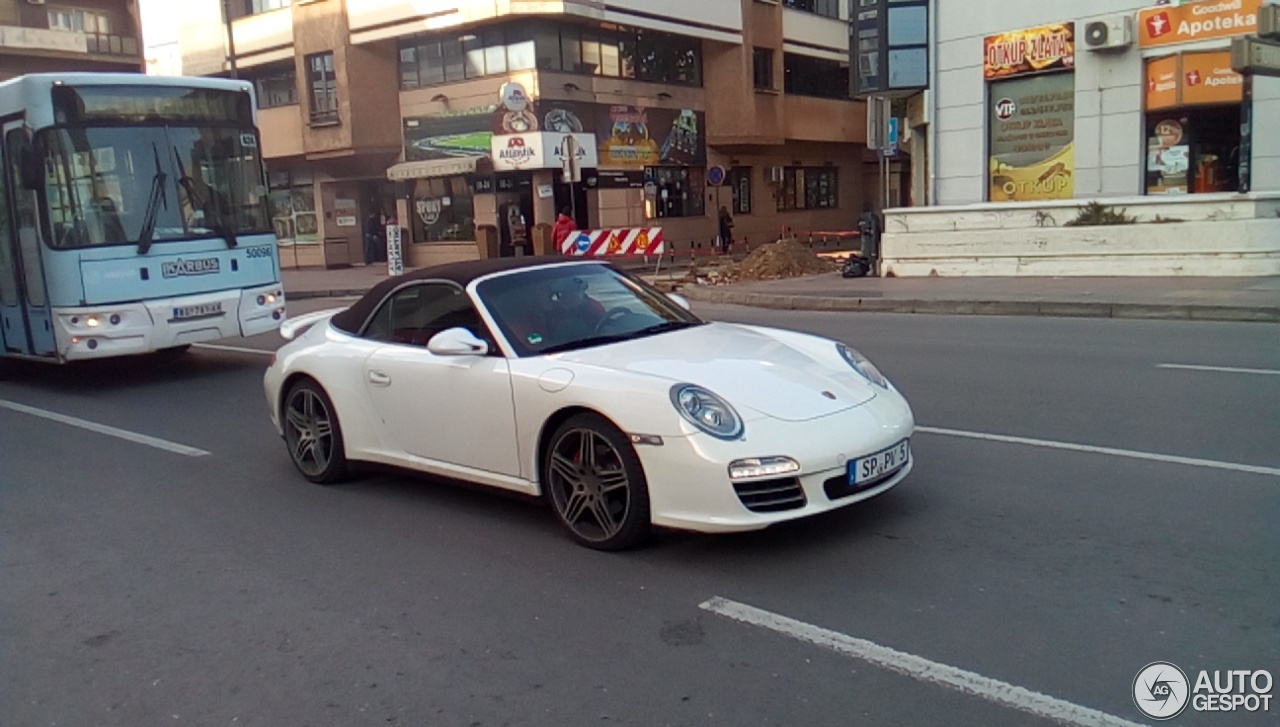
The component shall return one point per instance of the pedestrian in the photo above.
(726, 230)
(564, 226)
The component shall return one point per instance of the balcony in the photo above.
(60, 42)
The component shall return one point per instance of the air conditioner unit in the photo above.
(776, 175)
(1109, 33)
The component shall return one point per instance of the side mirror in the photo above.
(457, 342)
(680, 300)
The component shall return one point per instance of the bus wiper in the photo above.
(218, 224)
(158, 196)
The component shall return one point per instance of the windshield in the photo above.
(548, 310)
(102, 183)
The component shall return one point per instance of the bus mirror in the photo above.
(30, 168)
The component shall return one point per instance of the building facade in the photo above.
(84, 35)
(453, 117)
(1039, 107)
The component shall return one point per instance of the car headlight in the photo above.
(863, 366)
(706, 411)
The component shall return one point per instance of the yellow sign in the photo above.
(1167, 25)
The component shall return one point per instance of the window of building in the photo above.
(293, 207)
(762, 68)
(809, 188)
(680, 191)
(323, 85)
(276, 85)
(641, 56)
(829, 8)
(806, 76)
(740, 183)
(443, 210)
(79, 20)
(253, 7)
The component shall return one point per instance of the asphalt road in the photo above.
(145, 586)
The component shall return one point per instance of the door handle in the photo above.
(377, 378)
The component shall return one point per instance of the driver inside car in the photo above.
(572, 313)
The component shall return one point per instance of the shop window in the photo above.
(1193, 151)
(809, 188)
(443, 210)
(762, 68)
(806, 76)
(323, 85)
(276, 86)
(680, 191)
(740, 183)
(293, 208)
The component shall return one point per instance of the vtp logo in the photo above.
(1162, 691)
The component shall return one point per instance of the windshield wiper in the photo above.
(667, 326)
(585, 343)
(218, 224)
(158, 196)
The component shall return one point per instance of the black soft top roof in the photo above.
(460, 273)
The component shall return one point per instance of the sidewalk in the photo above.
(1184, 298)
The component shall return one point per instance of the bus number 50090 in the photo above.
(261, 251)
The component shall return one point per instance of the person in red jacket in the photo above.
(564, 227)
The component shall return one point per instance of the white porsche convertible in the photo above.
(574, 381)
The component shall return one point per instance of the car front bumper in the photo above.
(690, 487)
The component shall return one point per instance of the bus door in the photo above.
(24, 301)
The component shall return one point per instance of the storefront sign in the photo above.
(346, 220)
(635, 137)
(1193, 79)
(1167, 25)
(1034, 50)
(1163, 85)
(1032, 129)
(541, 150)
(517, 114)
(614, 179)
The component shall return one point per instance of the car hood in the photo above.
(749, 368)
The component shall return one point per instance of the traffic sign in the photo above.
(716, 175)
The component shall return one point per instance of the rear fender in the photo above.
(291, 328)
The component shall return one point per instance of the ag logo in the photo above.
(1005, 109)
(1161, 690)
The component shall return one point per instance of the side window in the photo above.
(24, 214)
(8, 268)
(412, 315)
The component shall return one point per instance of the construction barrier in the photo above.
(631, 241)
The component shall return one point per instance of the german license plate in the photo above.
(875, 466)
(202, 310)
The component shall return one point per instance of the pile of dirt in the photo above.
(782, 259)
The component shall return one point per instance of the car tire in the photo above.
(595, 484)
(312, 433)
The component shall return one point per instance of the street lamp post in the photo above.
(231, 38)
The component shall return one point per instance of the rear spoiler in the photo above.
(293, 327)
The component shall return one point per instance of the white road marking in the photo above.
(1220, 369)
(1170, 458)
(233, 349)
(919, 668)
(104, 429)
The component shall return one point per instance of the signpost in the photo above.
(395, 251)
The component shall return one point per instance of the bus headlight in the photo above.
(92, 321)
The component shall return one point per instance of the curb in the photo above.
(1142, 311)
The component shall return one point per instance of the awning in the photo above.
(433, 168)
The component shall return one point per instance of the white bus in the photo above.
(133, 216)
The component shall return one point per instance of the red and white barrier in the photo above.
(632, 241)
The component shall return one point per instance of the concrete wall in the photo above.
(1210, 234)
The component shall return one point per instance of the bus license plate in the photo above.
(197, 311)
(873, 466)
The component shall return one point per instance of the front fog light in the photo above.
(762, 467)
(92, 321)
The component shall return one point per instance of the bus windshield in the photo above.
(114, 185)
